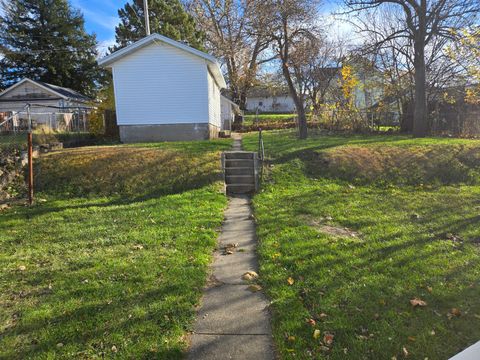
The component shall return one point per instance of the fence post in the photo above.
(30, 157)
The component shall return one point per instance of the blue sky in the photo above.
(101, 17)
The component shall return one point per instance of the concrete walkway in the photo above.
(233, 321)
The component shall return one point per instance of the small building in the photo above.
(270, 99)
(165, 91)
(228, 110)
(50, 104)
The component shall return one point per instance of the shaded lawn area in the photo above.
(416, 237)
(117, 272)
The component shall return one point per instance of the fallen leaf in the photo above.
(405, 351)
(114, 349)
(322, 315)
(291, 338)
(290, 281)
(137, 247)
(250, 275)
(328, 339)
(411, 338)
(59, 345)
(22, 268)
(254, 288)
(311, 322)
(455, 312)
(316, 334)
(324, 348)
(429, 289)
(432, 332)
(418, 302)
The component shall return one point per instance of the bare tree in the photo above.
(425, 23)
(290, 23)
(316, 68)
(235, 34)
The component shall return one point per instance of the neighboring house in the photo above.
(270, 99)
(50, 104)
(165, 91)
(229, 110)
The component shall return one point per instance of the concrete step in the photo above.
(231, 171)
(240, 179)
(239, 155)
(240, 188)
(239, 163)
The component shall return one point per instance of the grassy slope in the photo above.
(364, 284)
(268, 118)
(116, 273)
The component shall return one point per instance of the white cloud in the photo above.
(106, 21)
(103, 46)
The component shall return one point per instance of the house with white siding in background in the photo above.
(165, 91)
(50, 105)
(270, 99)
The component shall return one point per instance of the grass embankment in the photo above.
(353, 228)
(116, 272)
(250, 119)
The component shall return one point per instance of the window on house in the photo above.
(260, 103)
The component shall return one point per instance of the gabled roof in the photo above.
(62, 92)
(212, 62)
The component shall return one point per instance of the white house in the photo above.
(165, 90)
(50, 104)
(270, 99)
(228, 111)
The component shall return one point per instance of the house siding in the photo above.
(214, 106)
(160, 84)
(271, 104)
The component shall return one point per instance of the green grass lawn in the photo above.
(352, 228)
(249, 119)
(111, 260)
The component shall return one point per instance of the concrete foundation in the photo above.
(167, 132)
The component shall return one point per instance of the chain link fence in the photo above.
(26, 133)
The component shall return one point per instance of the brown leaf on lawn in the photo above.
(328, 339)
(311, 322)
(291, 338)
(429, 289)
(316, 334)
(455, 312)
(418, 302)
(22, 268)
(254, 288)
(405, 351)
(290, 281)
(322, 315)
(411, 338)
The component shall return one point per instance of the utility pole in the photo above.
(147, 20)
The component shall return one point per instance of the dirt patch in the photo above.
(336, 231)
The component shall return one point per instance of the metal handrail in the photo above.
(261, 147)
(261, 152)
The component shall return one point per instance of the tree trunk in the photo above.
(420, 125)
(302, 118)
